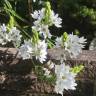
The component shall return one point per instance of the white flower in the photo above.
(50, 64)
(65, 79)
(42, 29)
(39, 15)
(26, 50)
(58, 42)
(45, 31)
(3, 28)
(41, 51)
(41, 26)
(55, 19)
(47, 72)
(93, 44)
(36, 26)
(14, 36)
(35, 15)
(4, 37)
(74, 45)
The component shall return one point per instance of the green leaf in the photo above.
(9, 10)
(77, 69)
(50, 43)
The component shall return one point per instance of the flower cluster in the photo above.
(65, 78)
(10, 35)
(41, 25)
(73, 44)
(35, 46)
(39, 50)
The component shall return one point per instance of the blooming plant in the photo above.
(36, 46)
(10, 35)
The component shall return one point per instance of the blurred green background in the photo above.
(79, 16)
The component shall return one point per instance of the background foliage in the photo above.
(79, 16)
